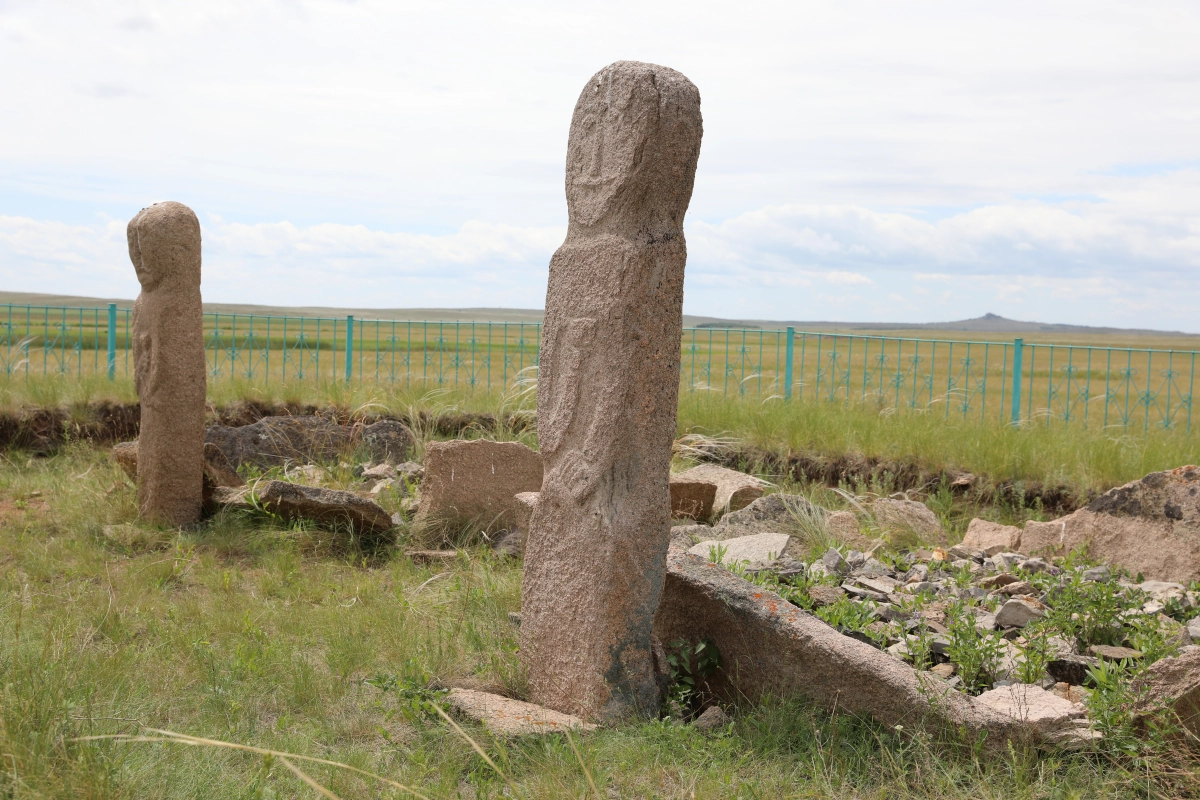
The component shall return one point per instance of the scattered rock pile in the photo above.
(977, 621)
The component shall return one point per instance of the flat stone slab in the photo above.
(323, 506)
(1055, 718)
(504, 716)
(745, 549)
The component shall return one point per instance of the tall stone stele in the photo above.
(168, 362)
(607, 393)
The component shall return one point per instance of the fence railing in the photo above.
(1009, 382)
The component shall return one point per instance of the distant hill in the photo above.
(988, 323)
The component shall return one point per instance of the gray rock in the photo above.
(773, 513)
(863, 594)
(881, 584)
(919, 572)
(824, 595)
(476, 482)
(1174, 684)
(508, 543)
(1019, 612)
(1114, 653)
(1098, 574)
(712, 719)
(874, 567)
(967, 552)
(1036, 565)
(734, 490)
(991, 537)
(380, 472)
(1044, 712)
(834, 562)
(1006, 562)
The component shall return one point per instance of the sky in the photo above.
(861, 161)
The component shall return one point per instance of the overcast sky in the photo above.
(861, 160)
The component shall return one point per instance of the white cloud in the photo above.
(416, 151)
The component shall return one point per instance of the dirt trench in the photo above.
(42, 431)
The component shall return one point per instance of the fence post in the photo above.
(112, 341)
(1018, 347)
(349, 348)
(789, 358)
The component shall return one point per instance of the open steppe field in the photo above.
(284, 637)
(1117, 382)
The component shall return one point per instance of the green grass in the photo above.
(252, 632)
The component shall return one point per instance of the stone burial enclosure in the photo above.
(607, 580)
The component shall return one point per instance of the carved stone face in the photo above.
(631, 157)
(615, 115)
(164, 246)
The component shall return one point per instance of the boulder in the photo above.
(278, 441)
(773, 513)
(1019, 612)
(691, 499)
(503, 716)
(769, 647)
(327, 507)
(713, 718)
(896, 515)
(992, 537)
(1172, 684)
(1055, 718)
(476, 482)
(1151, 526)
(746, 549)
(734, 490)
(844, 527)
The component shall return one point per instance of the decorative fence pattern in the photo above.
(1006, 381)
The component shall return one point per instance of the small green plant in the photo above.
(1152, 639)
(1111, 706)
(716, 552)
(1035, 655)
(415, 691)
(846, 614)
(975, 653)
(690, 664)
(1090, 611)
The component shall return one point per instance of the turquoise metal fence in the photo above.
(1010, 382)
